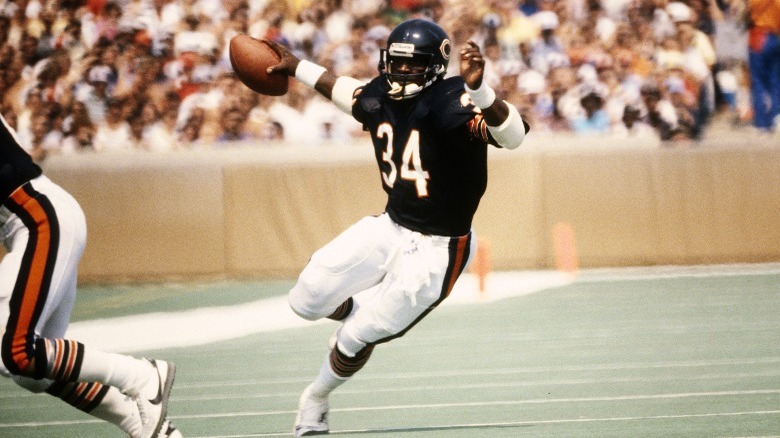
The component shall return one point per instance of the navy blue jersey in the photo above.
(432, 154)
(16, 166)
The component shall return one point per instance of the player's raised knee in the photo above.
(301, 302)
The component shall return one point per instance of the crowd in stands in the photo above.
(155, 75)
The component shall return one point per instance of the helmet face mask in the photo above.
(416, 56)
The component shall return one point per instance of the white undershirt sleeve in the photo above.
(343, 90)
(511, 133)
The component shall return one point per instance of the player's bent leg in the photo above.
(148, 382)
(77, 369)
(347, 265)
(98, 400)
(343, 311)
(312, 418)
(103, 402)
(345, 365)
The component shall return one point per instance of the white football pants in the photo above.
(414, 273)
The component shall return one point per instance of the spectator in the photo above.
(70, 40)
(764, 59)
(80, 138)
(34, 140)
(33, 104)
(632, 124)
(28, 50)
(138, 132)
(289, 112)
(548, 49)
(684, 103)
(233, 123)
(698, 62)
(194, 40)
(113, 132)
(77, 111)
(555, 120)
(593, 119)
(660, 113)
(94, 93)
(163, 136)
(41, 28)
(532, 99)
(52, 141)
(190, 133)
(329, 125)
(107, 22)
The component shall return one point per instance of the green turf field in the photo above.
(651, 355)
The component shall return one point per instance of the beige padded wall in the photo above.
(278, 215)
(666, 206)
(722, 204)
(148, 216)
(607, 197)
(263, 211)
(509, 218)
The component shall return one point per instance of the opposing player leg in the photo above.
(45, 232)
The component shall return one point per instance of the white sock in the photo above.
(121, 410)
(130, 375)
(326, 381)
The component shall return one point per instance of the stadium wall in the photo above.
(262, 211)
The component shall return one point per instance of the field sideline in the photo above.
(653, 352)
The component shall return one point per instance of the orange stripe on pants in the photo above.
(458, 263)
(32, 290)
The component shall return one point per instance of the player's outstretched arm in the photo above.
(503, 119)
(338, 89)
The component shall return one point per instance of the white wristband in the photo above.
(308, 72)
(483, 97)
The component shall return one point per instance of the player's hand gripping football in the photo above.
(288, 62)
(472, 65)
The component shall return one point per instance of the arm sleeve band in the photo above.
(483, 97)
(510, 133)
(343, 90)
(308, 72)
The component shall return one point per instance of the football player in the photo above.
(430, 137)
(44, 231)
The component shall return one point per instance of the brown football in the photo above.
(250, 58)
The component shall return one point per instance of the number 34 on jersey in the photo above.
(411, 165)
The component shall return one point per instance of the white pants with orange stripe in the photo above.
(38, 278)
(413, 273)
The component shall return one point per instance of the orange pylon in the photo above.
(566, 259)
(482, 264)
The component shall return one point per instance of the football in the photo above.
(250, 58)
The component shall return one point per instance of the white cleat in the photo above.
(153, 411)
(312, 416)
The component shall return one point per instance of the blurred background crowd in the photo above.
(155, 75)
